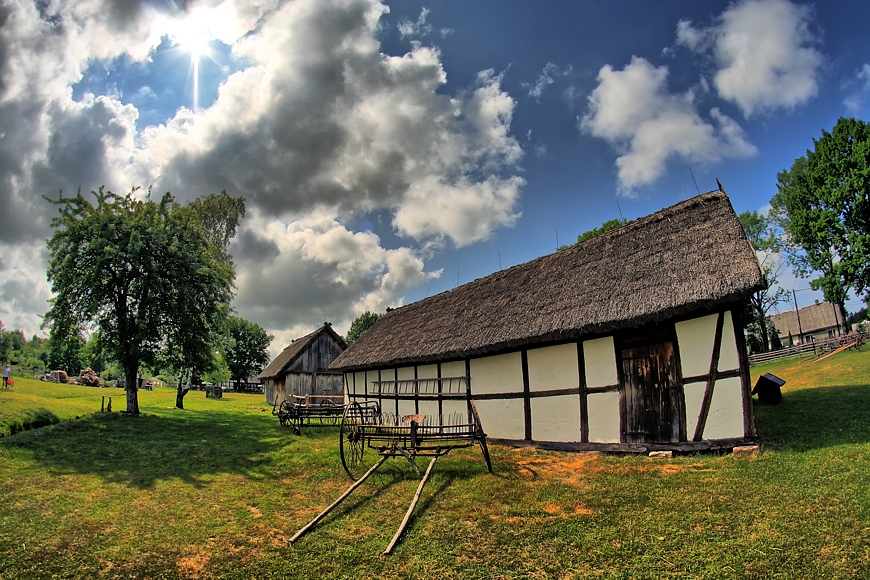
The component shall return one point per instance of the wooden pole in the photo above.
(411, 509)
(833, 352)
(338, 501)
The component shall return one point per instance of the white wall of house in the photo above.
(503, 398)
(696, 339)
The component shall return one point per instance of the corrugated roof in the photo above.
(289, 355)
(688, 257)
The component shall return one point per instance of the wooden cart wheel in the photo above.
(352, 442)
(285, 411)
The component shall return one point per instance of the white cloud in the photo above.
(465, 211)
(311, 270)
(547, 77)
(633, 110)
(418, 29)
(24, 290)
(764, 51)
(860, 89)
(317, 123)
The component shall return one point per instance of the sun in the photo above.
(193, 34)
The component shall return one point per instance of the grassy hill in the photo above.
(216, 490)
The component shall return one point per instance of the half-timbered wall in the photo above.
(575, 394)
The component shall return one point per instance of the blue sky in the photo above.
(389, 151)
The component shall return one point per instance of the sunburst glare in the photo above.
(193, 34)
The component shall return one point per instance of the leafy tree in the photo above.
(219, 215)
(823, 207)
(246, 351)
(5, 345)
(93, 355)
(141, 273)
(360, 324)
(856, 317)
(65, 346)
(219, 371)
(763, 236)
(602, 229)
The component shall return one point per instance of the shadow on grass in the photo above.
(816, 418)
(30, 419)
(144, 450)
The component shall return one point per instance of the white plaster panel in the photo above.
(371, 376)
(408, 408)
(728, 360)
(600, 358)
(603, 411)
(726, 411)
(454, 368)
(556, 418)
(427, 372)
(404, 373)
(455, 411)
(695, 338)
(497, 374)
(502, 419)
(694, 395)
(553, 367)
(358, 383)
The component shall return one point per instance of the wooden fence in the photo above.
(816, 348)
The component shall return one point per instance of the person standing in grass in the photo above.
(6, 372)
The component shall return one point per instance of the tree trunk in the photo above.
(765, 335)
(131, 370)
(179, 396)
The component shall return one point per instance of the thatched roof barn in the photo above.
(303, 367)
(814, 322)
(573, 348)
(689, 257)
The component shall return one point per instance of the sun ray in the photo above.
(193, 35)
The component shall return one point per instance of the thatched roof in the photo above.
(687, 258)
(289, 355)
(813, 318)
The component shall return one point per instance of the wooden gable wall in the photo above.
(318, 356)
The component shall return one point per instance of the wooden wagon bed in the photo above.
(369, 435)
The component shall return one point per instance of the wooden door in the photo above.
(652, 400)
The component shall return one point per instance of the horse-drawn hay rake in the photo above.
(370, 434)
(297, 411)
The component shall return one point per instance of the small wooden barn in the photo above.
(630, 341)
(303, 367)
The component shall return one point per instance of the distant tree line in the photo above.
(25, 356)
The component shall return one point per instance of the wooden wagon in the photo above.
(371, 433)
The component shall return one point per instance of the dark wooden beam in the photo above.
(584, 404)
(527, 403)
(711, 379)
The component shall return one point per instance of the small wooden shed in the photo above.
(303, 367)
(630, 341)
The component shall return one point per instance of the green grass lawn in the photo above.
(216, 490)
